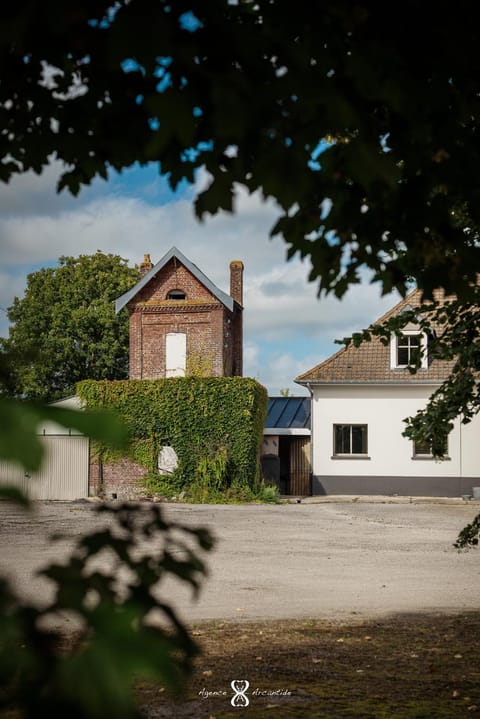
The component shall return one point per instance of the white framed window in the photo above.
(350, 440)
(175, 354)
(423, 450)
(405, 348)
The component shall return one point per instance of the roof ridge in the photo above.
(222, 296)
(394, 310)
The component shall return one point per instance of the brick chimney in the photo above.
(236, 281)
(145, 266)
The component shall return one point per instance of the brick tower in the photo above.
(181, 323)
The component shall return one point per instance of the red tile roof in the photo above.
(370, 362)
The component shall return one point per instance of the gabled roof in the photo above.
(198, 274)
(370, 363)
(288, 415)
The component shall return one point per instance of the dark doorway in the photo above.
(284, 456)
(294, 454)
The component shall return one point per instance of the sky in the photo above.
(287, 329)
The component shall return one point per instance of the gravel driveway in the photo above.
(327, 560)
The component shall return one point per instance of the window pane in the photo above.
(342, 439)
(350, 439)
(421, 448)
(176, 295)
(359, 439)
(402, 356)
(408, 348)
(425, 449)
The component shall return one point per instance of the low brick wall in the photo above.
(117, 480)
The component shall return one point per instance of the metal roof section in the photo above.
(288, 415)
(196, 272)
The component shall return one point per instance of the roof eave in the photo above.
(286, 432)
(398, 382)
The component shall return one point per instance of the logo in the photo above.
(240, 687)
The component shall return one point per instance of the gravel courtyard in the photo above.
(332, 560)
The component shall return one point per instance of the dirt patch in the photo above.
(408, 666)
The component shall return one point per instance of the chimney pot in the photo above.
(146, 265)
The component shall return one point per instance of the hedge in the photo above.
(214, 424)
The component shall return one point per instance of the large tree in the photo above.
(64, 329)
(359, 118)
(249, 90)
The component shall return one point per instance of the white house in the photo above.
(360, 397)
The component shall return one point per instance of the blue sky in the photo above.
(287, 329)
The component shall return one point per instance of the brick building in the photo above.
(181, 323)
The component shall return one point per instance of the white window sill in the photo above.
(423, 458)
(350, 456)
(406, 366)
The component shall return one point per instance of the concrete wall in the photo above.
(389, 466)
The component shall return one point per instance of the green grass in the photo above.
(407, 667)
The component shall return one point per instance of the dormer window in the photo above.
(406, 348)
(176, 295)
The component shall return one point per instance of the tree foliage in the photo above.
(360, 120)
(65, 328)
(248, 90)
(125, 631)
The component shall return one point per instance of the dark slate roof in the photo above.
(196, 272)
(288, 413)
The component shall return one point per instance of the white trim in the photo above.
(394, 348)
(410, 381)
(282, 432)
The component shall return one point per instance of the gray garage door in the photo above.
(64, 472)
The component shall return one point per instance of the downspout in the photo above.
(461, 457)
(309, 387)
(101, 487)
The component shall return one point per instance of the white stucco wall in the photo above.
(383, 408)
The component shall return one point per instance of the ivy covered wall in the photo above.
(214, 424)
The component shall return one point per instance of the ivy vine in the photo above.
(204, 419)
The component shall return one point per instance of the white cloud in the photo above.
(287, 329)
(278, 371)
